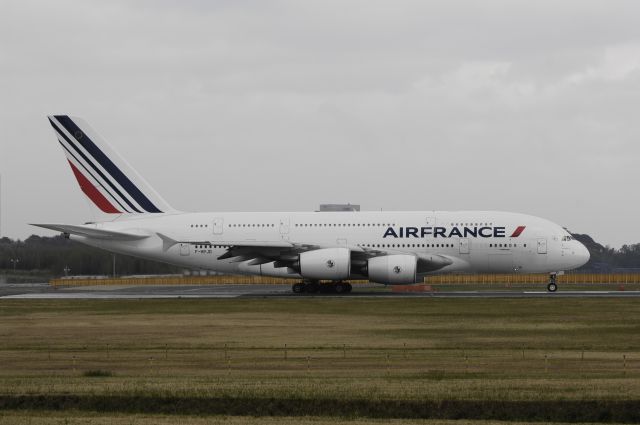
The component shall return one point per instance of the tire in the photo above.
(298, 288)
(552, 287)
(312, 288)
(341, 288)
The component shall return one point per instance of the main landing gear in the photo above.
(552, 286)
(314, 286)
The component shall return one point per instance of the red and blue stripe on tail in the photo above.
(107, 179)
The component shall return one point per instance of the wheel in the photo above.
(312, 287)
(298, 288)
(552, 287)
(326, 288)
(349, 287)
(341, 288)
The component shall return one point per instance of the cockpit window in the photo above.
(567, 238)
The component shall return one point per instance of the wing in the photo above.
(282, 254)
(286, 254)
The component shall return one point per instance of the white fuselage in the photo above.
(474, 241)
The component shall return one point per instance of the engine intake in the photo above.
(328, 263)
(393, 269)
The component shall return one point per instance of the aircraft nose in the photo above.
(582, 255)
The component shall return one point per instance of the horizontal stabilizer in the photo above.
(92, 232)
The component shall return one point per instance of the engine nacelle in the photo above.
(328, 263)
(393, 269)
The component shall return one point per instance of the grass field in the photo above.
(324, 359)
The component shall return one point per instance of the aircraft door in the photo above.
(185, 249)
(542, 246)
(218, 225)
(464, 245)
(284, 228)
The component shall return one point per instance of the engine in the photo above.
(393, 269)
(329, 263)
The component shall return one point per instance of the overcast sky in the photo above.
(526, 106)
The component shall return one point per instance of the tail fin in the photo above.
(105, 177)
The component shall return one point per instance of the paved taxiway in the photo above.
(44, 291)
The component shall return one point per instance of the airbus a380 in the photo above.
(384, 247)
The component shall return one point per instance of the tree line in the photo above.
(606, 259)
(52, 255)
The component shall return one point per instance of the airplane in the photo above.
(390, 248)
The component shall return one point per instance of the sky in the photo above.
(524, 106)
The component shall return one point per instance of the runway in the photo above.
(45, 291)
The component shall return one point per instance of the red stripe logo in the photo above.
(518, 231)
(93, 193)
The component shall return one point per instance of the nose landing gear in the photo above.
(552, 286)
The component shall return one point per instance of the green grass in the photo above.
(97, 373)
(509, 359)
(83, 418)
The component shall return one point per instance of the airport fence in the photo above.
(537, 278)
(446, 279)
(171, 280)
